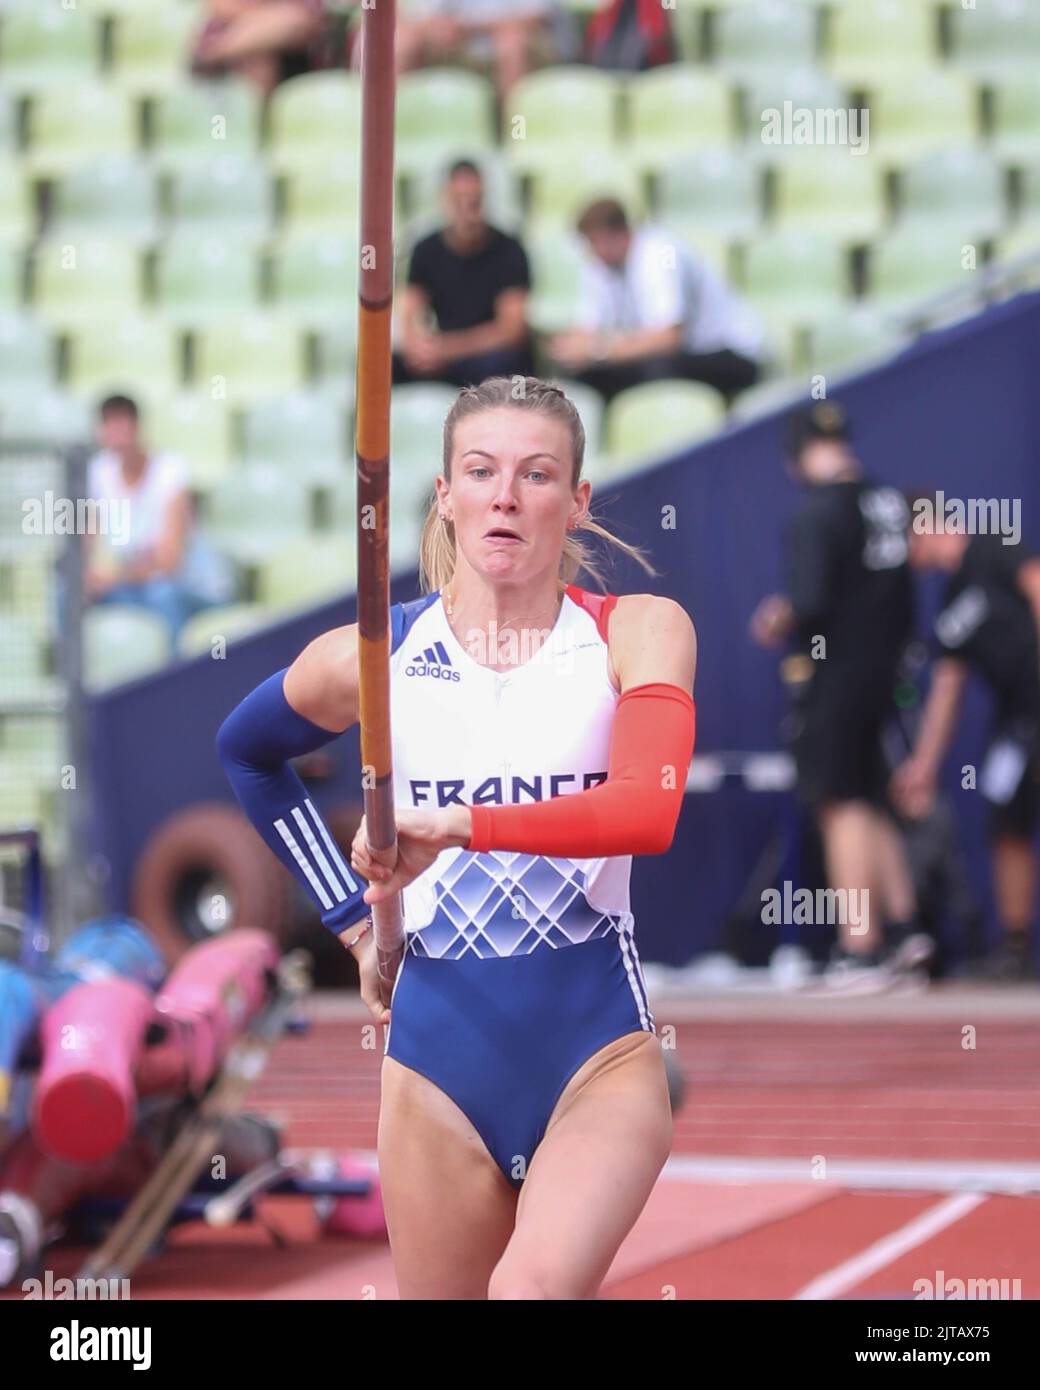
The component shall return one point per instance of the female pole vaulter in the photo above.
(541, 737)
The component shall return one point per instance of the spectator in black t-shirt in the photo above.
(989, 623)
(475, 281)
(848, 613)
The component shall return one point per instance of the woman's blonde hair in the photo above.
(437, 554)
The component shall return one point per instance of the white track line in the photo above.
(904, 1175)
(883, 1252)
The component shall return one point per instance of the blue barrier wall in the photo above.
(959, 411)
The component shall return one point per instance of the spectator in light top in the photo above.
(652, 309)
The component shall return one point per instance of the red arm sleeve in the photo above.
(634, 811)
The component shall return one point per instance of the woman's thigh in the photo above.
(449, 1208)
(607, 1141)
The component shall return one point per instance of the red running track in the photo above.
(779, 1091)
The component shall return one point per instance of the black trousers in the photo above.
(471, 371)
(726, 370)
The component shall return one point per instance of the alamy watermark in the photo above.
(79, 1288)
(805, 907)
(943, 1287)
(817, 125)
(969, 516)
(77, 516)
(542, 646)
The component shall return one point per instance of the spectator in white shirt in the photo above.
(651, 309)
(145, 565)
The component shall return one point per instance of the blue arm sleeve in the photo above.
(255, 743)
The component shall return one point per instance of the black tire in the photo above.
(201, 856)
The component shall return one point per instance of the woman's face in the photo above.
(511, 470)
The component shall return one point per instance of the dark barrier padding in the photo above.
(958, 411)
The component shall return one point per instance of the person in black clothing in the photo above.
(475, 281)
(848, 613)
(989, 623)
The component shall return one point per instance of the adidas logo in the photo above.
(435, 662)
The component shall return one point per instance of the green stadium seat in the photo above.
(996, 39)
(556, 255)
(24, 674)
(675, 109)
(872, 40)
(21, 802)
(688, 30)
(710, 247)
(307, 573)
(768, 397)
(806, 88)
(834, 192)
(122, 643)
(202, 121)
(589, 404)
(441, 113)
(226, 197)
(137, 357)
(70, 128)
(324, 197)
(8, 125)
(306, 435)
(761, 35)
(27, 579)
(250, 509)
(37, 744)
(656, 419)
(560, 190)
(47, 46)
(916, 262)
(408, 505)
(114, 197)
(12, 275)
(958, 185)
(245, 359)
(1029, 192)
(1021, 242)
(793, 279)
(313, 118)
(858, 336)
(43, 416)
(911, 118)
(1016, 117)
(151, 47)
(557, 113)
(204, 277)
(17, 211)
(26, 352)
(195, 426)
(108, 9)
(336, 351)
(719, 190)
(86, 280)
(417, 414)
(316, 278)
(200, 634)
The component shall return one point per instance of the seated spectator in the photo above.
(651, 309)
(508, 36)
(264, 41)
(475, 280)
(157, 561)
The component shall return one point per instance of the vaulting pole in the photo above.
(372, 446)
